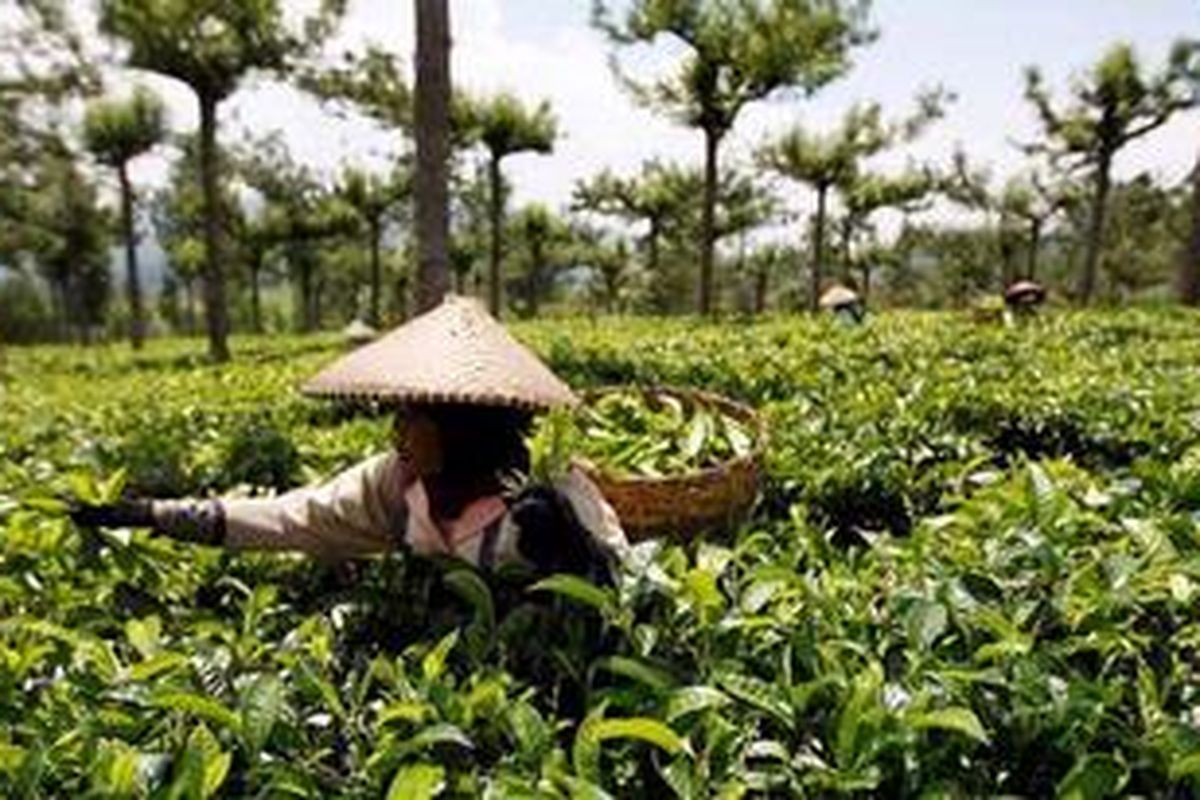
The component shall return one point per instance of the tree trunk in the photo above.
(708, 222)
(496, 223)
(818, 265)
(1035, 247)
(216, 315)
(432, 107)
(761, 281)
(865, 271)
(1189, 267)
(314, 320)
(847, 263)
(1095, 237)
(535, 278)
(376, 272)
(256, 296)
(652, 244)
(402, 296)
(189, 319)
(304, 314)
(133, 286)
(1008, 252)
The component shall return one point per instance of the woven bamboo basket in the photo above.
(684, 505)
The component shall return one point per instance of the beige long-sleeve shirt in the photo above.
(377, 506)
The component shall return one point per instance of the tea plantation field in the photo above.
(974, 570)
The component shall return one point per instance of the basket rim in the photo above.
(749, 461)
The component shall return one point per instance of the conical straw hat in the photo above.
(359, 332)
(456, 353)
(837, 296)
(1025, 291)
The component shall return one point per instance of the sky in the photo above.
(546, 49)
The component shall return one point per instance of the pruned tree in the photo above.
(210, 47)
(116, 132)
(867, 195)
(763, 265)
(375, 200)
(68, 239)
(1188, 277)
(505, 127)
(655, 197)
(734, 53)
(544, 240)
(1114, 103)
(831, 161)
(1034, 203)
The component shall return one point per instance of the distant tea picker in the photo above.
(466, 393)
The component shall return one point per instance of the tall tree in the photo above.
(828, 162)
(432, 119)
(1189, 266)
(303, 212)
(506, 127)
(374, 200)
(1113, 104)
(178, 215)
(68, 240)
(764, 264)
(735, 52)
(1147, 223)
(545, 239)
(116, 132)
(607, 257)
(1034, 203)
(869, 194)
(656, 197)
(211, 47)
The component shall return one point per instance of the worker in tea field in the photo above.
(467, 394)
(1024, 297)
(844, 303)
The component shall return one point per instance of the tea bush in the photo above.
(975, 570)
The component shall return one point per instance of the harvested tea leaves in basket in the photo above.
(643, 434)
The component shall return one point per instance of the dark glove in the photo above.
(121, 514)
(551, 537)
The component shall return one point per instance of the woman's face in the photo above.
(421, 443)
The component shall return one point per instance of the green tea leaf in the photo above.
(1093, 777)
(691, 699)
(957, 719)
(579, 590)
(417, 782)
(262, 703)
(199, 706)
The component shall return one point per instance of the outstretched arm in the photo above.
(359, 512)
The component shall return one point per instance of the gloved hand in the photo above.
(551, 537)
(121, 514)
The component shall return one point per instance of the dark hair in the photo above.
(480, 440)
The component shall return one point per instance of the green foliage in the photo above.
(1023, 623)
(117, 131)
(736, 52)
(628, 433)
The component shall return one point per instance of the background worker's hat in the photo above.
(1025, 293)
(838, 297)
(359, 332)
(456, 353)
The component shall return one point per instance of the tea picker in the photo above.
(466, 393)
(844, 303)
(1023, 298)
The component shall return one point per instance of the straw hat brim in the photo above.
(456, 353)
(1025, 290)
(838, 296)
